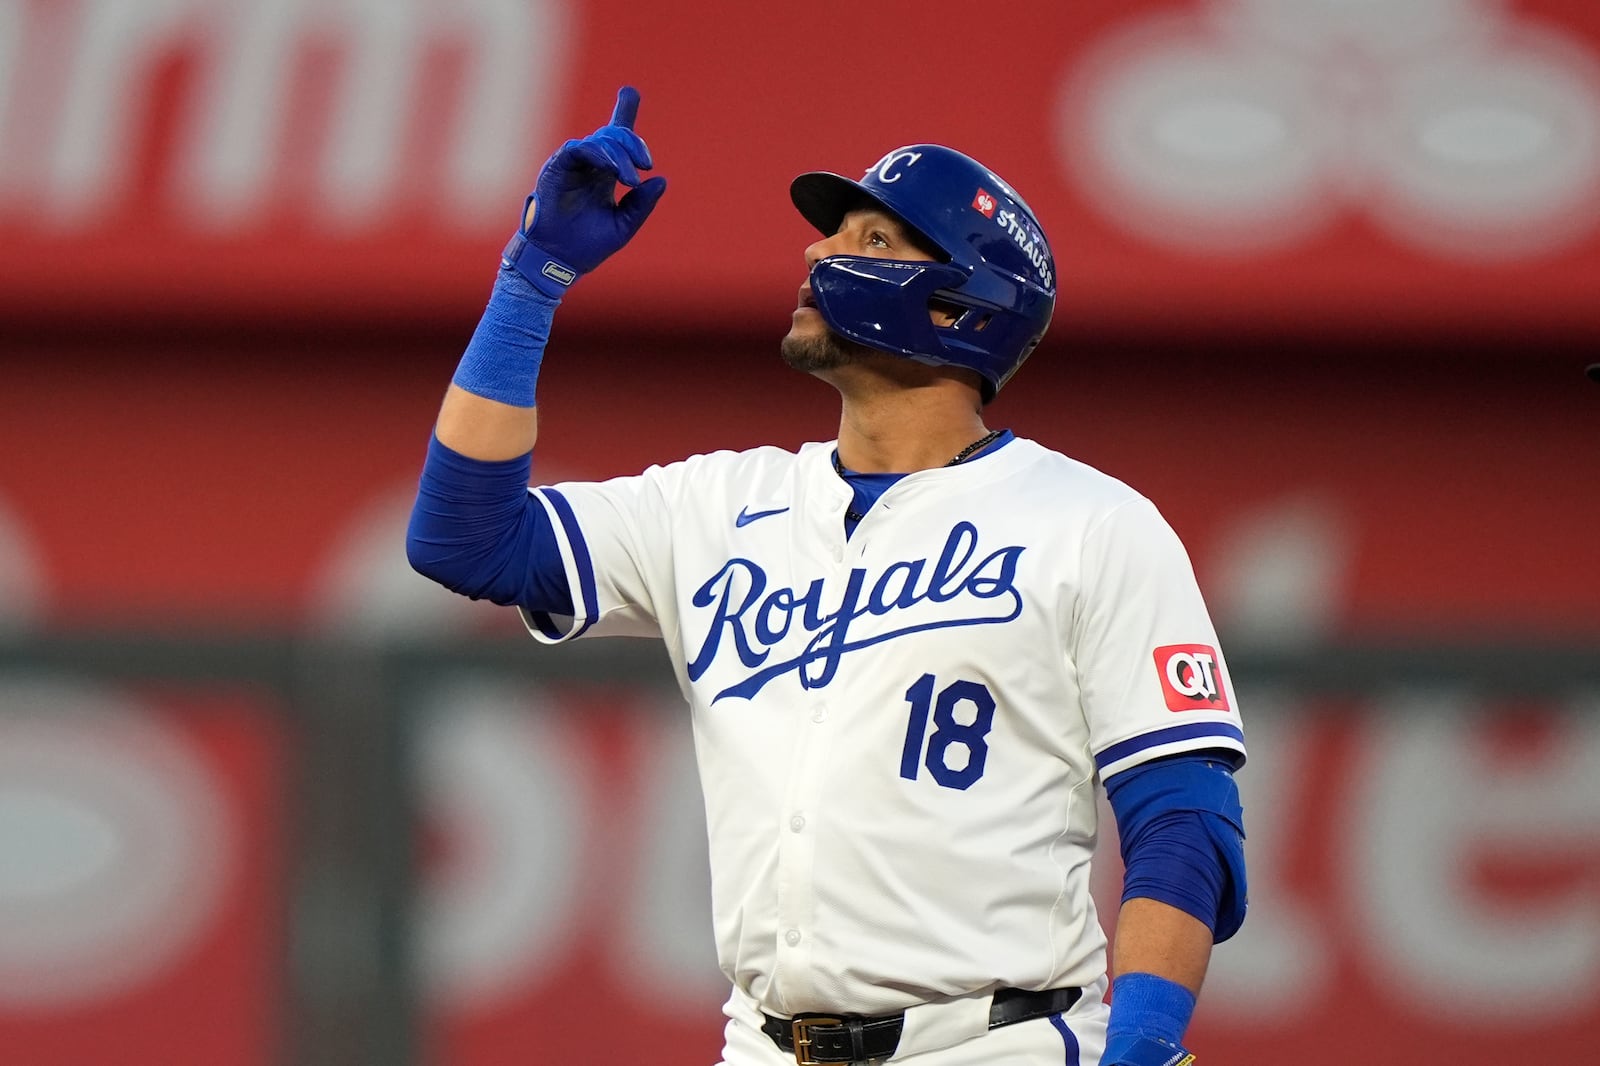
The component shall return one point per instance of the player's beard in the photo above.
(822, 350)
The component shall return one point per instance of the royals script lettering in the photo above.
(749, 619)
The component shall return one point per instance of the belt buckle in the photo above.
(800, 1029)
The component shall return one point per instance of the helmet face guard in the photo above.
(995, 270)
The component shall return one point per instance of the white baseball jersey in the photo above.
(899, 734)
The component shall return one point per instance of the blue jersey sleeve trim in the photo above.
(545, 623)
(588, 600)
(1172, 734)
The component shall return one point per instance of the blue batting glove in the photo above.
(1133, 1049)
(573, 222)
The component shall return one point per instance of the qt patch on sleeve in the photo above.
(1191, 677)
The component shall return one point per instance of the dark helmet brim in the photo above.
(824, 198)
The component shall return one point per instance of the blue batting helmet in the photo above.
(994, 268)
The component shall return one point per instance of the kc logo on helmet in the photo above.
(1191, 677)
(892, 167)
(984, 203)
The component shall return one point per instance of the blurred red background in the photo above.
(1329, 274)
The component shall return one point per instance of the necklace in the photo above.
(976, 446)
(962, 456)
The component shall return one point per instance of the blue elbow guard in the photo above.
(476, 530)
(1182, 830)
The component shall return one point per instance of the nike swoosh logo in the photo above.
(746, 517)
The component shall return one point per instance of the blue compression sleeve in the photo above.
(476, 530)
(1182, 830)
(502, 359)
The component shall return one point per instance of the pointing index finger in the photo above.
(627, 109)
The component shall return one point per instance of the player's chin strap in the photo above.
(1145, 1051)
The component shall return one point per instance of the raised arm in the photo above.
(571, 224)
(474, 528)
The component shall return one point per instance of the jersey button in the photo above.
(792, 937)
(819, 713)
(797, 823)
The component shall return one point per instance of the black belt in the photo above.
(818, 1038)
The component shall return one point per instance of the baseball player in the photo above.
(909, 653)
